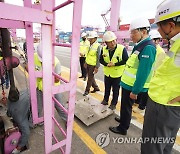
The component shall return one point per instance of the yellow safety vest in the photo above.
(84, 47)
(160, 56)
(165, 85)
(38, 67)
(114, 71)
(91, 57)
(131, 67)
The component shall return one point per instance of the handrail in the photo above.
(62, 44)
(62, 5)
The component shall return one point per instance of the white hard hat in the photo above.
(109, 36)
(167, 9)
(83, 34)
(154, 34)
(139, 23)
(92, 34)
(39, 51)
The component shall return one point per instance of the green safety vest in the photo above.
(84, 47)
(91, 57)
(130, 71)
(38, 67)
(165, 85)
(114, 71)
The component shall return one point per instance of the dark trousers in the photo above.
(161, 122)
(142, 100)
(91, 81)
(83, 70)
(114, 83)
(126, 110)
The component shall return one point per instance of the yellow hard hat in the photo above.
(109, 36)
(167, 9)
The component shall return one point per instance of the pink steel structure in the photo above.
(24, 17)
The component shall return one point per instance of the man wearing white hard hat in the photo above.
(113, 57)
(39, 82)
(92, 62)
(162, 118)
(84, 47)
(160, 55)
(137, 73)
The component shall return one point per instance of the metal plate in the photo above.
(89, 110)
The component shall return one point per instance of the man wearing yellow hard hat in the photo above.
(162, 116)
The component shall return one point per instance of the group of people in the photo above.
(149, 75)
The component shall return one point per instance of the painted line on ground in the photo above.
(90, 143)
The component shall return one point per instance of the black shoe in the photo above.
(117, 119)
(81, 77)
(117, 131)
(84, 78)
(104, 102)
(95, 90)
(112, 107)
(85, 93)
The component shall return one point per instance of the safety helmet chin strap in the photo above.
(166, 35)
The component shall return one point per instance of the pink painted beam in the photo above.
(61, 149)
(47, 82)
(32, 79)
(62, 88)
(13, 12)
(60, 105)
(62, 44)
(11, 24)
(38, 74)
(77, 13)
(60, 128)
(59, 144)
(58, 76)
(62, 5)
(35, 6)
(115, 7)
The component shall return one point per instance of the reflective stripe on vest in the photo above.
(131, 67)
(114, 71)
(84, 47)
(91, 57)
(165, 85)
(38, 67)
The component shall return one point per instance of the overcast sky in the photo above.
(92, 9)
